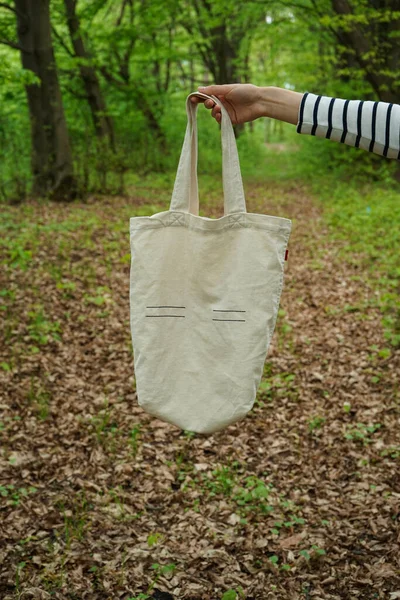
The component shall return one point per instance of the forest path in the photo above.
(301, 499)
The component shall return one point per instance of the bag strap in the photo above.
(185, 196)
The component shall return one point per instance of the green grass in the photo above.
(366, 219)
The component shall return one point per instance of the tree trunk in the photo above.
(51, 154)
(102, 122)
(374, 48)
(224, 65)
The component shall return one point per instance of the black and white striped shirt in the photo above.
(373, 126)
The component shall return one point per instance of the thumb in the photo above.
(216, 90)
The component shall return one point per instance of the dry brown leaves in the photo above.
(117, 492)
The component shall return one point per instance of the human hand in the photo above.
(243, 101)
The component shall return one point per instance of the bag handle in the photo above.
(185, 196)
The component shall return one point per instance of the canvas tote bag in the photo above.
(204, 296)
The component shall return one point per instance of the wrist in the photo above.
(279, 103)
(269, 96)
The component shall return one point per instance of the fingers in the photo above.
(215, 109)
(216, 112)
(207, 103)
(210, 104)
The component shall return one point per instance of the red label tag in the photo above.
(286, 254)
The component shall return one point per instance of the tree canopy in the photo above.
(88, 87)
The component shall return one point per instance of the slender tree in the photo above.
(138, 61)
(102, 122)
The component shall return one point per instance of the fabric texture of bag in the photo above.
(204, 296)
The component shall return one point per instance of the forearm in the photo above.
(373, 126)
(281, 104)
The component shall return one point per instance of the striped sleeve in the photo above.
(373, 126)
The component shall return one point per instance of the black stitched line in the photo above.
(346, 106)
(165, 306)
(373, 127)
(236, 320)
(154, 316)
(301, 116)
(387, 133)
(359, 123)
(221, 310)
(330, 111)
(315, 116)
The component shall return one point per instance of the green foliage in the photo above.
(104, 427)
(292, 522)
(251, 497)
(313, 552)
(161, 571)
(229, 595)
(366, 219)
(252, 493)
(334, 165)
(14, 120)
(255, 492)
(13, 495)
(20, 566)
(237, 594)
(346, 407)
(147, 57)
(76, 517)
(39, 398)
(153, 539)
(316, 423)
(41, 329)
(392, 452)
(134, 438)
(362, 432)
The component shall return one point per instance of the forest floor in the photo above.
(98, 500)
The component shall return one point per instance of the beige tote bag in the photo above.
(204, 296)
